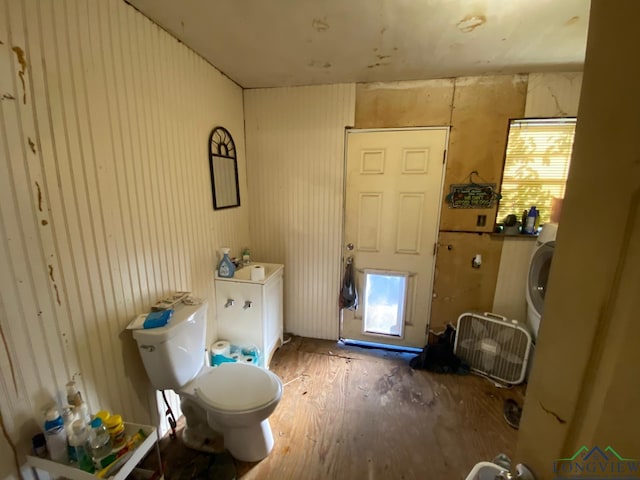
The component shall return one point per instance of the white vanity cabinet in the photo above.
(250, 311)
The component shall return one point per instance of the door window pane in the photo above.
(384, 300)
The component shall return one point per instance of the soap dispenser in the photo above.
(226, 268)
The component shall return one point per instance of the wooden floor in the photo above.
(355, 413)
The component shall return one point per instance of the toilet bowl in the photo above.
(233, 399)
(238, 398)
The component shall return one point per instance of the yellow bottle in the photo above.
(115, 425)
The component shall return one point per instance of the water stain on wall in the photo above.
(316, 64)
(39, 196)
(378, 64)
(559, 111)
(23, 68)
(320, 24)
(572, 20)
(471, 22)
(55, 287)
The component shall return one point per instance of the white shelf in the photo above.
(74, 473)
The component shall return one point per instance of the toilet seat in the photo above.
(237, 387)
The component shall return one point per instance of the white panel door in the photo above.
(392, 210)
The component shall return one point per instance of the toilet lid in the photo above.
(238, 387)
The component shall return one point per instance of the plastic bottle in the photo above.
(80, 407)
(55, 436)
(79, 442)
(104, 416)
(530, 226)
(68, 417)
(72, 393)
(115, 426)
(226, 268)
(246, 256)
(100, 443)
(523, 225)
(39, 445)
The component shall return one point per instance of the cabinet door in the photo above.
(240, 322)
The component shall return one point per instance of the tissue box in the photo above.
(157, 319)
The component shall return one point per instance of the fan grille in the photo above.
(493, 347)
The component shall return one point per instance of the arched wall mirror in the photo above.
(223, 166)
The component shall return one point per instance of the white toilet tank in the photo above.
(173, 355)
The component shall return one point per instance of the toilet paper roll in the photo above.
(247, 359)
(257, 273)
(221, 347)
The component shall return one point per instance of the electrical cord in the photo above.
(496, 383)
(171, 418)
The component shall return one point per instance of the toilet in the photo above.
(234, 399)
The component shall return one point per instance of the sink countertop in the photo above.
(243, 274)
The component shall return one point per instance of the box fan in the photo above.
(493, 345)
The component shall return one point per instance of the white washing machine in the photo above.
(539, 268)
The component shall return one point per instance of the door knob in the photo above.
(349, 246)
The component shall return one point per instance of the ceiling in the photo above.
(272, 43)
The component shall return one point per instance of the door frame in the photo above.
(342, 257)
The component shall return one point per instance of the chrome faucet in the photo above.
(522, 473)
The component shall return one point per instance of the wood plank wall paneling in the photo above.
(425, 103)
(479, 125)
(295, 163)
(458, 287)
(105, 198)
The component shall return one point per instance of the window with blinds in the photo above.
(536, 165)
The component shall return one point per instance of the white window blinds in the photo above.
(536, 165)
